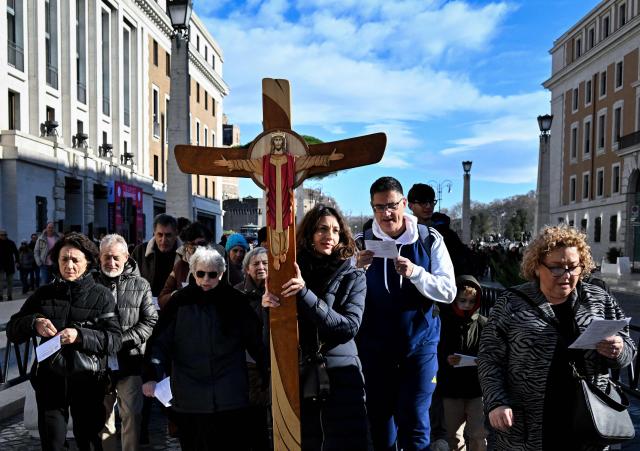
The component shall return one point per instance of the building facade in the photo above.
(83, 137)
(595, 135)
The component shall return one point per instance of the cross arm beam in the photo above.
(201, 160)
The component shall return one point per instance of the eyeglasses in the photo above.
(211, 274)
(559, 271)
(381, 208)
(425, 202)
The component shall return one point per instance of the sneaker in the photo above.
(440, 445)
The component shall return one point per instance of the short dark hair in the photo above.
(194, 231)
(80, 242)
(346, 246)
(165, 220)
(384, 184)
(420, 193)
(262, 235)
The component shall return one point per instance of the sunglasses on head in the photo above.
(211, 274)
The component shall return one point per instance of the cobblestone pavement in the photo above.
(14, 437)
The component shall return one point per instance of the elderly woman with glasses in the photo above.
(210, 328)
(524, 363)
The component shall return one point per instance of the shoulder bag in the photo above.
(599, 416)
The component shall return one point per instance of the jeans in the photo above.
(9, 278)
(45, 274)
(128, 395)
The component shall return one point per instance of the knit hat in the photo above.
(236, 240)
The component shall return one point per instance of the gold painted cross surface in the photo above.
(278, 160)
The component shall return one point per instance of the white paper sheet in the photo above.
(48, 348)
(466, 360)
(598, 330)
(382, 249)
(163, 392)
(155, 302)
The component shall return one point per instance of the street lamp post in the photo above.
(466, 203)
(179, 194)
(543, 194)
(438, 188)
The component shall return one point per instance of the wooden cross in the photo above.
(278, 160)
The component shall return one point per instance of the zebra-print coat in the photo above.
(516, 349)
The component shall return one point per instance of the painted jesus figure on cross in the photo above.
(278, 169)
(279, 160)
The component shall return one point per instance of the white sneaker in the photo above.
(440, 445)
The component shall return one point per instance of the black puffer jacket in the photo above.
(335, 312)
(64, 303)
(204, 345)
(138, 315)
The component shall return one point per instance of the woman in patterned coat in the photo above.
(524, 358)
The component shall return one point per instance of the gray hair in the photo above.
(207, 256)
(252, 253)
(114, 239)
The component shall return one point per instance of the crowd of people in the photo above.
(394, 353)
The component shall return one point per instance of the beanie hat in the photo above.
(236, 240)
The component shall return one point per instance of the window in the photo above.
(213, 107)
(156, 167)
(155, 53)
(206, 137)
(613, 228)
(197, 133)
(578, 48)
(574, 142)
(603, 83)
(619, 74)
(600, 182)
(622, 15)
(617, 124)
(106, 88)
(198, 43)
(213, 139)
(587, 139)
(15, 49)
(14, 110)
(571, 222)
(197, 92)
(81, 52)
(198, 184)
(575, 99)
(597, 229)
(51, 41)
(572, 188)
(213, 190)
(583, 225)
(206, 100)
(213, 61)
(206, 189)
(50, 114)
(206, 53)
(156, 112)
(587, 92)
(606, 27)
(601, 131)
(615, 178)
(638, 114)
(126, 76)
(592, 38)
(586, 178)
(167, 64)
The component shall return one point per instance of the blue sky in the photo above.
(446, 80)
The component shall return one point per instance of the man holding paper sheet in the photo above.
(400, 329)
(524, 361)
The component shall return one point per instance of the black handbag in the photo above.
(601, 416)
(72, 361)
(314, 378)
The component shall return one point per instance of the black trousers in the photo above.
(82, 397)
(212, 431)
(340, 422)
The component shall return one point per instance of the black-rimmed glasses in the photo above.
(559, 271)
(381, 208)
(425, 202)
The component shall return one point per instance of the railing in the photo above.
(21, 352)
(627, 377)
(632, 139)
(52, 76)
(15, 55)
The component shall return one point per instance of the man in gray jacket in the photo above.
(138, 316)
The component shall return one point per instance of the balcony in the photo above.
(629, 143)
(15, 55)
(52, 76)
